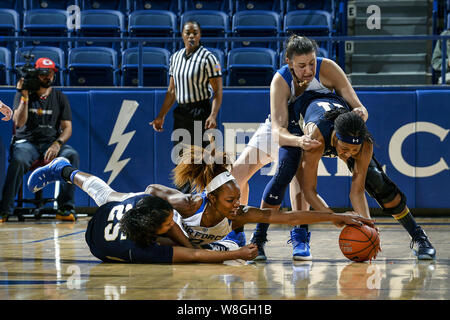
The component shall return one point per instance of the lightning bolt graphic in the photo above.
(122, 139)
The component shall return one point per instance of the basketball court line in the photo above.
(53, 238)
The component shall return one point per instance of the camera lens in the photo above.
(43, 72)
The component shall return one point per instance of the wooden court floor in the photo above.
(49, 260)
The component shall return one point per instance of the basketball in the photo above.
(359, 243)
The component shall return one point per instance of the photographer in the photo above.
(43, 121)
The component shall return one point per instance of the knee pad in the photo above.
(383, 189)
(288, 162)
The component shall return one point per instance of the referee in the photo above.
(193, 71)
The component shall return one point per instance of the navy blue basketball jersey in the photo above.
(108, 244)
(311, 107)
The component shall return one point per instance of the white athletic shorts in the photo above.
(262, 140)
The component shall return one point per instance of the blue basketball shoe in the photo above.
(238, 237)
(49, 173)
(300, 241)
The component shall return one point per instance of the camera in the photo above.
(30, 74)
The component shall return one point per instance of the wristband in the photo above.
(22, 98)
(60, 142)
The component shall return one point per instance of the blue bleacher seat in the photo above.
(92, 66)
(51, 4)
(309, 23)
(9, 26)
(155, 63)
(11, 4)
(327, 5)
(55, 54)
(270, 5)
(257, 23)
(171, 5)
(212, 23)
(251, 66)
(101, 23)
(119, 5)
(225, 6)
(5, 66)
(322, 52)
(46, 23)
(153, 23)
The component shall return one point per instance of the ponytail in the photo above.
(199, 166)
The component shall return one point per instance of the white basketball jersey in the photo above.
(199, 235)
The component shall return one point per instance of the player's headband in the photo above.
(218, 181)
(349, 139)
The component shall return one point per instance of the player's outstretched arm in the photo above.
(181, 254)
(255, 215)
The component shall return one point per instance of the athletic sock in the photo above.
(66, 173)
(408, 222)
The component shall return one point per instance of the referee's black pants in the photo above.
(184, 117)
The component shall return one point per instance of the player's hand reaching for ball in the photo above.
(351, 217)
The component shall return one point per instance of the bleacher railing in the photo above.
(339, 40)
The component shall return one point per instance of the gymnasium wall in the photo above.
(116, 143)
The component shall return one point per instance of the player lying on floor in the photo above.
(145, 215)
(144, 220)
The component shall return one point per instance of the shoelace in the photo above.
(306, 240)
(421, 242)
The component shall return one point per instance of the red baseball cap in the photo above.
(45, 63)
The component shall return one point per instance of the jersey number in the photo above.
(326, 105)
(112, 230)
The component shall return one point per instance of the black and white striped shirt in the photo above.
(191, 74)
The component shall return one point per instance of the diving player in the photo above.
(126, 225)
